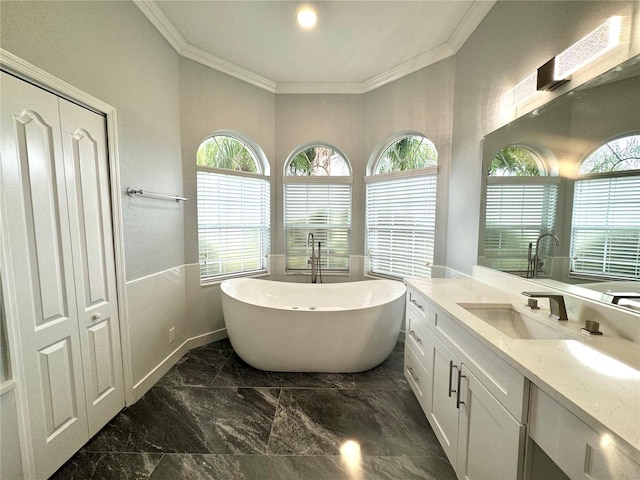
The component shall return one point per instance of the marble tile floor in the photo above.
(214, 417)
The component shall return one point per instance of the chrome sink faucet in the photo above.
(536, 258)
(556, 303)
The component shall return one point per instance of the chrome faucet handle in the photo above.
(556, 303)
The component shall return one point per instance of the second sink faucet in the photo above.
(556, 303)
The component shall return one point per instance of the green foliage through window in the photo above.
(221, 151)
(515, 161)
(318, 161)
(408, 153)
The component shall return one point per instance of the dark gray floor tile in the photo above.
(318, 422)
(399, 346)
(259, 467)
(411, 468)
(224, 344)
(238, 373)
(387, 376)
(108, 466)
(197, 368)
(192, 420)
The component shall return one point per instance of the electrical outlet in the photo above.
(172, 335)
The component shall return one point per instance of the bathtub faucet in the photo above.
(313, 261)
(537, 263)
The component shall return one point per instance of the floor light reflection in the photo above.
(352, 459)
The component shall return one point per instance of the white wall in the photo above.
(111, 51)
(512, 41)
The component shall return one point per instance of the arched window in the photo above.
(233, 207)
(520, 205)
(317, 200)
(605, 228)
(517, 161)
(401, 206)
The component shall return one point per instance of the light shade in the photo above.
(523, 91)
(587, 49)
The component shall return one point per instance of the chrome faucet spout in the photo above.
(536, 257)
(312, 260)
(556, 303)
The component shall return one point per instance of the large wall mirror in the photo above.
(561, 191)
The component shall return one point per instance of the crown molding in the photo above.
(168, 30)
(479, 9)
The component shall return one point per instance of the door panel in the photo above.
(37, 233)
(38, 164)
(84, 142)
(56, 373)
(84, 150)
(100, 352)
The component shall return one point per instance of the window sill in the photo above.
(218, 281)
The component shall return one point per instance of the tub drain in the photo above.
(312, 308)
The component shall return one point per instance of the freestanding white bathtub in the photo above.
(304, 327)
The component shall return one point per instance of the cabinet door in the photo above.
(41, 266)
(84, 144)
(491, 441)
(443, 416)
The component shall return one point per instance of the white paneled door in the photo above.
(57, 228)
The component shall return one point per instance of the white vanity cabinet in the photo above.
(579, 450)
(474, 401)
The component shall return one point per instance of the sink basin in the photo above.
(515, 324)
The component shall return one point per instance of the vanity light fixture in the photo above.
(558, 70)
(546, 79)
(307, 17)
(523, 91)
(593, 45)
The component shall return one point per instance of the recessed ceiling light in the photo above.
(307, 18)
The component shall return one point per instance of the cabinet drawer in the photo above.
(504, 382)
(419, 305)
(580, 451)
(416, 332)
(418, 377)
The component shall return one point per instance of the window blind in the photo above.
(233, 224)
(605, 232)
(325, 211)
(401, 219)
(516, 214)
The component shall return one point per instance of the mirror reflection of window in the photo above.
(521, 203)
(605, 232)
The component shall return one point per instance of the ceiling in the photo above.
(355, 47)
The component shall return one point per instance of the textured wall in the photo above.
(513, 40)
(111, 51)
(210, 101)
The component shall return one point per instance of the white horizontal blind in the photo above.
(325, 211)
(401, 220)
(605, 233)
(516, 214)
(233, 224)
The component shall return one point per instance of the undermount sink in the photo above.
(515, 324)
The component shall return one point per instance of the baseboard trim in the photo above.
(207, 338)
(144, 385)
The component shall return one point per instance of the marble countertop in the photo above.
(597, 378)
